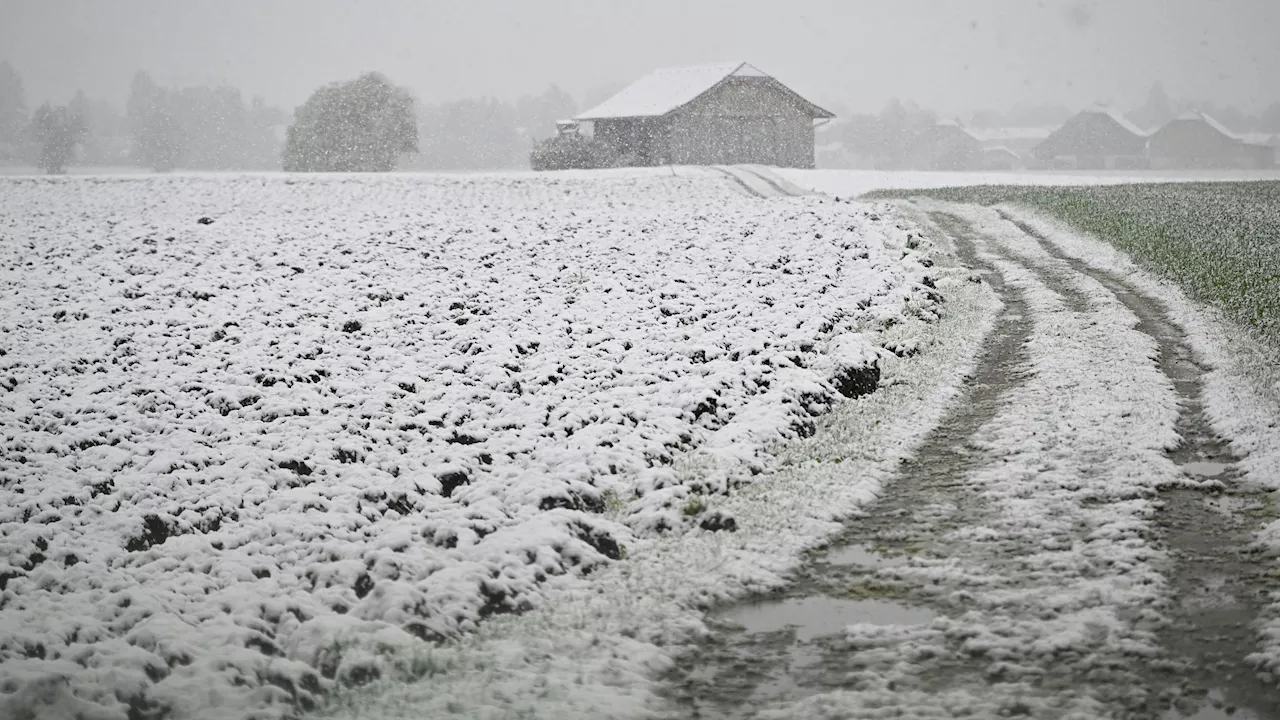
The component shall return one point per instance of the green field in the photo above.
(1219, 241)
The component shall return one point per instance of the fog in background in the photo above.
(955, 57)
(167, 84)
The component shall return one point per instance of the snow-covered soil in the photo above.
(267, 437)
(1077, 539)
(852, 183)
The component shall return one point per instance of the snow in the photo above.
(249, 460)
(597, 647)
(852, 183)
(1065, 468)
(1005, 134)
(1195, 116)
(1119, 119)
(667, 89)
(1241, 386)
(663, 90)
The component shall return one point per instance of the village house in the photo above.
(1094, 139)
(1001, 158)
(705, 115)
(947, 145)
(1009, 148)
(1267, 140)
(1196, 140)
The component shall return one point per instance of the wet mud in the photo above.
(789, 645)
(1219, 576)
(884, 571)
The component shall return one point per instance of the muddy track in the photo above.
(739, 181)
(777, 187)
(866, 573)
(1218, 578)
(940, 599)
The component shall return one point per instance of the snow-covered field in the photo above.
(852, 183)
(268, 436)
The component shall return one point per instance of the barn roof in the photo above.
(1260, 138)
(1195, 116)
(667, 89)
(1011, 133)
(1098, 130)
(1119, 119)
(954, 125)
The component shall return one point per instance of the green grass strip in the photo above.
(1218, 241)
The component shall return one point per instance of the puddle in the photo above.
(1211, 713)
(860, 556)
(1229, 505)
(1215, 708)
(1215, 592)
(800, 660)
(818, 615)
(1218, 587)
(1205, 469)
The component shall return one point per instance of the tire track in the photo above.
(1218, 580)
(777, 187)
(739, 181)
(732, 672)
(960, 604)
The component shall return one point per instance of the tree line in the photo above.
(370, 124)
(201, 127)
(363, 124)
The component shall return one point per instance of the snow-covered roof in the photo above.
(1012, 133)
(1000, 149)
(954, 123)
(1196, 116)
(1119, 118)
(1259, 138)
(668, 89)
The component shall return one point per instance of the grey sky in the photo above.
(954, 55)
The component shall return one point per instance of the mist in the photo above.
(955, 57)
(141, 83)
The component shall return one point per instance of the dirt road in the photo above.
(1073, 541)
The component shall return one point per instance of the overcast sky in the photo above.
(953, 55)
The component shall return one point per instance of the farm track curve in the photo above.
(934, 601)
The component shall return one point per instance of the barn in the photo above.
(1196, 140)
(706, 115)
(1094, 139)
(946, 145)
(1001, 158)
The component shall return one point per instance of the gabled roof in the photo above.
(1119, 119)
(1080, 135)
(1011, 133)
(1196, 116)
(665, 90)
(954, 124)
(1260, 138)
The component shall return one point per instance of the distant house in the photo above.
(1196, 140)
(708, 114)
(1001, 158)
(946, 145)
(1019, 140)
(1094, 139)
(1269, 140)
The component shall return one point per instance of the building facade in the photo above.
(1195, 140)
(1095, 139)
(708, 115)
